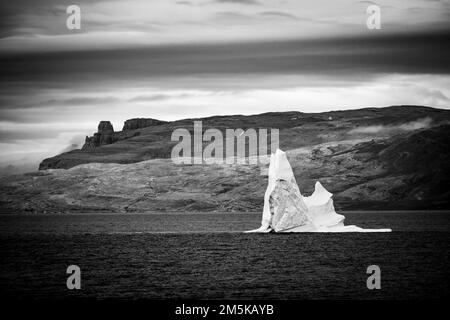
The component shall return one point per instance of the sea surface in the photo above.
(206, 256)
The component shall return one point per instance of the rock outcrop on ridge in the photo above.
(139, 123)
(104, 135)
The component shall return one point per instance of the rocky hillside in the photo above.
(388, 158)
(145, 139)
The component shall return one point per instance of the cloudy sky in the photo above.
(172, 59)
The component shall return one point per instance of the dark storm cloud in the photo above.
(426, 53)
(16, 103)
(79, 101)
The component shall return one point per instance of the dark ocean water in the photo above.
(206, 256)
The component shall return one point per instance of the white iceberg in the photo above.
(286, 210)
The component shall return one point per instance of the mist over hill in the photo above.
(374, 158)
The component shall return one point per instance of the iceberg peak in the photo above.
(286, 210)
(320, 196)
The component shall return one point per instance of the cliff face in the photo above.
(138, 123)
(103, 144)
(104, 135)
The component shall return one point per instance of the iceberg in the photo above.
(286, 210)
